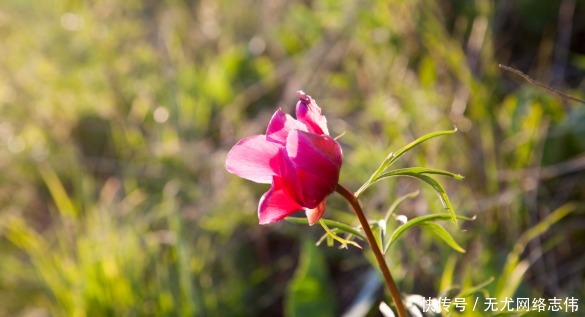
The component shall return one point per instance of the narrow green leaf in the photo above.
(448, 272)
(331, 223)
(433, 183)
(375, 175)
(344, 242)
(464, 293)
(399, 202)
(324, 237)
(474, 289)
(514, 268)
(298, 220)
(417, 221)
(60, 196)
(420, 170)
(444, 235)
(391, 210)
(393, 156)
(23, 236)
(416, 142)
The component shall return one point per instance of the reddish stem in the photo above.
(394, 292)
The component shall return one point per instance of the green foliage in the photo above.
(514, 268)
(427, 221)
(419, 172)
(336, 224)
(116, 116)
(310, 292)
(394, 156)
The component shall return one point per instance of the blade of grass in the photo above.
(513, 269)
(448, 272)
(64, 204)
(474, 289)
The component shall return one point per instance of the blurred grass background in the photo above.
(116, 116)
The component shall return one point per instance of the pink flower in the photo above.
(299, 159)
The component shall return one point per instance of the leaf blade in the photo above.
(393, 157)
(331, 223)
(439, 190)
(418, 141)
(420, 170)
(417, 221)
(444, 235)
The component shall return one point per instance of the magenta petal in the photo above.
(310, 114)
(318, 160)
(315, 188)
(280, 125)
(254, 158)
(289, 175)
(276, 204)
(313, 215)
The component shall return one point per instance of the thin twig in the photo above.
(539, 84)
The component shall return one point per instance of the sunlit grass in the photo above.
(115, 118)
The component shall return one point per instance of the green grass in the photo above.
(115, 119)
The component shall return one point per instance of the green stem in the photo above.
(394, 292)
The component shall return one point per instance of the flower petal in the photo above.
(280, 125)
(315, 214)
(310, 114)
(276, 204)
(317, 159)
(254, 158)
(289, 175)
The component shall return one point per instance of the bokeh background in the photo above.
(116, 116)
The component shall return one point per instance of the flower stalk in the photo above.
(394, 292)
